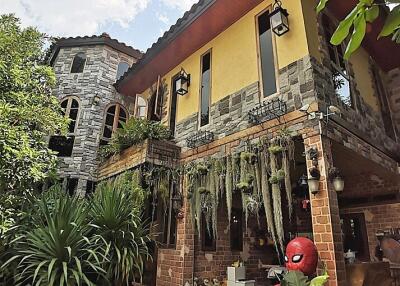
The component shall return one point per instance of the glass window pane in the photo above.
(64, 103)
(205, 89)
(122, 113)
(111, 109)
(74, 103)
(71, 127)
(122, 68)
(342, 88)
(73, 113)
(267, 55)
(109, 119)
(79, 63)
(107, 131)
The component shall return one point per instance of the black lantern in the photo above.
(182, 83)
(279, 19)
(303, 181)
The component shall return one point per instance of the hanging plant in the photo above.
(265, 190)
(284, 139)
(250, 158)
(276, 200)
(202, 168)
(280, 175)
(228, 187)
(275, 149)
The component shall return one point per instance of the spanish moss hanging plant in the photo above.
(285, 140)
(250, 158)
(265, 190)
(276, 200)
(228, 187)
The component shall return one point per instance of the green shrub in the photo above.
(59, 240)
(133, 132)
(57, 251)
(124, 237)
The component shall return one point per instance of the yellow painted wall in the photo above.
(363, 78)
(311, 26)
(234, 63)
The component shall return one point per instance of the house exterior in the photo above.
(246, 84)
(86, 69)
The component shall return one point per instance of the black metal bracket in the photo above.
(200, 138)
(266, 111)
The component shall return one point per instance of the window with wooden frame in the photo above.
(205, 89)
(140, 107)
(115, 114)
(266, 52)
(340, 71)
(63, 145)
(78, 64)
(156, 100)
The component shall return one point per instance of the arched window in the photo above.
(140, 107)
(70, 107)
(122, 68)
(78, 63)
(115, 114)
(64, 144)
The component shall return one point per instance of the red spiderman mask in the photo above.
(301, 255)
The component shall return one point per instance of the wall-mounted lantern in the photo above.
(336, 179)
(313, 179)
(303, 181)
(279, 19)
(182, 82)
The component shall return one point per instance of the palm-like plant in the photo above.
(124, 237)
(57, 250)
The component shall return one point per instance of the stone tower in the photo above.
(86, 69)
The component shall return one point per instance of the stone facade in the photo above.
(94, 89)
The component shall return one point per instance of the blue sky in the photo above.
(135, 22)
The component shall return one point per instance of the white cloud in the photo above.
(183, 5)
(73, 17)
(163, 18)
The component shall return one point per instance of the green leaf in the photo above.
(319, 280)
(371, 14)
(392, 22)
(357, 36)
(321, 5)
(343, 29)
(295, 278)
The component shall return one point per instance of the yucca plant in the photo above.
(57, 250)
(124, 237)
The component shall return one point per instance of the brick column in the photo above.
(325, 214)
(175, 266)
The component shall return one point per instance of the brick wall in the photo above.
(377, 217)
(213, 264)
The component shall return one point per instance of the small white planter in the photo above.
(236, 273)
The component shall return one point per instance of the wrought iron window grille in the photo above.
(200, 138)
(267, 110)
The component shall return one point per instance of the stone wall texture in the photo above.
(96, 80)
(230, 114)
